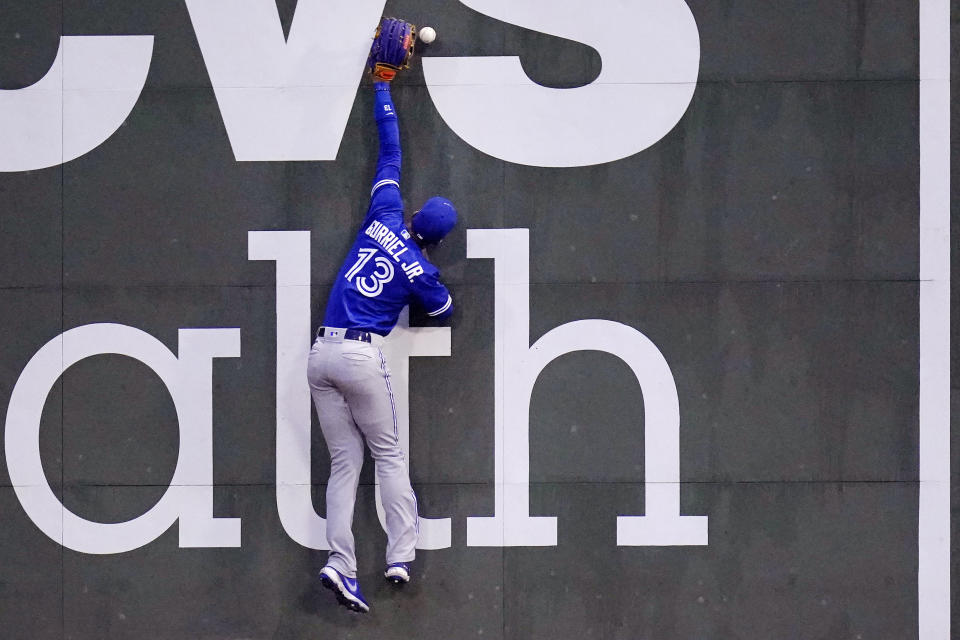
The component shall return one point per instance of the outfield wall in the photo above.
(678, 397)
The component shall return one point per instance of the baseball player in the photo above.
(385, 270)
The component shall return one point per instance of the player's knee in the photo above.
(386, 453)
(346, 462)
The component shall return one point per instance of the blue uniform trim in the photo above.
(393, 404)
(396, 434)
(390, 157)
(446, 306)
(416, 508)
(384, 183)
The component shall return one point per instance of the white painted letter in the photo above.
(285, 100)
(81, 101)
(190, 494)
(291, 251)
(517, 367)
(511, 524)
(651, 56)
(402, 343)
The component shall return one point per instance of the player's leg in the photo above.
(374, 410)
(346, 458)
(345, 445)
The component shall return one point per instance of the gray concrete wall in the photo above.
(768, 246)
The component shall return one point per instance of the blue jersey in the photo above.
(385, 269)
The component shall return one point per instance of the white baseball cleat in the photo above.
(346, 589)
(397, 573)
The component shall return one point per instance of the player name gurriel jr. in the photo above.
(188, 376)
(394, 246)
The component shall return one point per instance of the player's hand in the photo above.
(392, 48)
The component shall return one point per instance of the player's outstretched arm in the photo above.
(390, 52)
(388, 129)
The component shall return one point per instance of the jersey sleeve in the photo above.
(385, 193)
(432, 295)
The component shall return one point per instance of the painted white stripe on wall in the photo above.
(933, 580)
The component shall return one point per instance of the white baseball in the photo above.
(427, 35)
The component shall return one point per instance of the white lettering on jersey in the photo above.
(380, 277)
(394, 247)
(413, 270)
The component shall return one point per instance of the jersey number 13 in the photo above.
(372, 285)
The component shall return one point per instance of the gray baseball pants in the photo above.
(350, 384)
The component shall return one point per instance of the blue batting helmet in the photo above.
(435, 219)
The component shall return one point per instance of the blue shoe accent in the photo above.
(346, 589)
(397, 573)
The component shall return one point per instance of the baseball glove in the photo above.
(392, 47)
